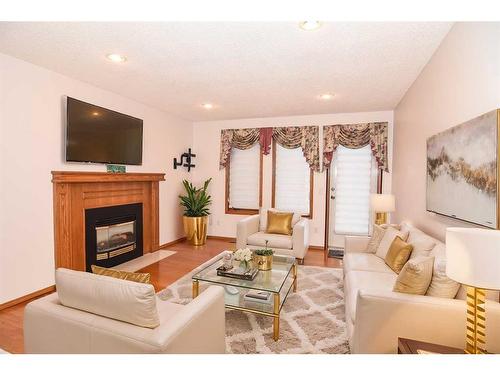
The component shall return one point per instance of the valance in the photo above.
(306, 137)
(357, 136)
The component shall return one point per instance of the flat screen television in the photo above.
(99, 135)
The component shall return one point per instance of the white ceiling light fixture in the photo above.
(310, 25)
(326, 96)
(115, 57)
(207, 106)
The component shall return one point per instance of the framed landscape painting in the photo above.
(462, 171)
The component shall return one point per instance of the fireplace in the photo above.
(113, 235)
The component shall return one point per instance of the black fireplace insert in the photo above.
(113, 235)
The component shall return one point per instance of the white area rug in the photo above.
(312, 319)
(144, 261)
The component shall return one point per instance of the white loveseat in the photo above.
(51, 327)
(376, 316)
(250, 232)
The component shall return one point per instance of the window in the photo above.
(355, 177)
(244, 181)
(292, 181)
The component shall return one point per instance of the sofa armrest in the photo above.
(300, 238)
(200, 328)
(383, 316)
(356, 244)
(245, 228)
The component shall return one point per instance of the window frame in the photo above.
(311, 185)
(242, 211)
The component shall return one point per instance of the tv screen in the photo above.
(99, 135)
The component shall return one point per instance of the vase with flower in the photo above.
(244, 256)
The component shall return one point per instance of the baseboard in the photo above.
(165, 245)
(316, 248)
(222, 238)
(27, 297)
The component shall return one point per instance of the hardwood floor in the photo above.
(163, 273)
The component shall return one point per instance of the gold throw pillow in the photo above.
(144, 278)
(398, 254)
(415, 277)
(279, 222)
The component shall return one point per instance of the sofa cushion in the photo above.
(263, 218)
(124, 300)
(441, 285)
(275, 240)
(364, 262)
(367, 281)
(422, 243)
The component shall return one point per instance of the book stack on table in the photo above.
(257, 296)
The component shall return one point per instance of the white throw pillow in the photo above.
(389, 236)
(263, 218)
(124, 300)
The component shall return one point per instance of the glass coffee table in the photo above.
(278, 281)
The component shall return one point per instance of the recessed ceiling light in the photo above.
(310, 25)
(95, 113)
(326, 96)
(115, 57)
(207, 105)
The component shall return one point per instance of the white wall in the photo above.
(206, 147)
(460, 82)
(31, 146)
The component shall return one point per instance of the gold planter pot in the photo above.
(263, 262)
(196, 229)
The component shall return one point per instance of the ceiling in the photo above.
(250, 69)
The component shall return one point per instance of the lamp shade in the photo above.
(383, 202)
(473, 257)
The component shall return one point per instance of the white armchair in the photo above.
(106, 315)
(250, 232)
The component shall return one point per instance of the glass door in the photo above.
(353, 177)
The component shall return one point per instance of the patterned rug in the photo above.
(312, 319)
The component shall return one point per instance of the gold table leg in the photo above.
(294, 272)
(276, 322)
(196, 288)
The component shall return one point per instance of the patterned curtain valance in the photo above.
(306, 137)
(241, 139)
(357, 136)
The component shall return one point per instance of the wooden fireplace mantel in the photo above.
(74, 192)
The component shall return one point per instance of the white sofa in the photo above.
(376, 316)
(250, 232)
(51, 327)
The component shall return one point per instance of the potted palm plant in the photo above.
(196, 211)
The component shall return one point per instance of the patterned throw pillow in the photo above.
(415, 276)
(378, 233)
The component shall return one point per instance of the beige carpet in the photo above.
(312, 319)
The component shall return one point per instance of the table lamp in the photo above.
(381, 205)
(473, 259)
